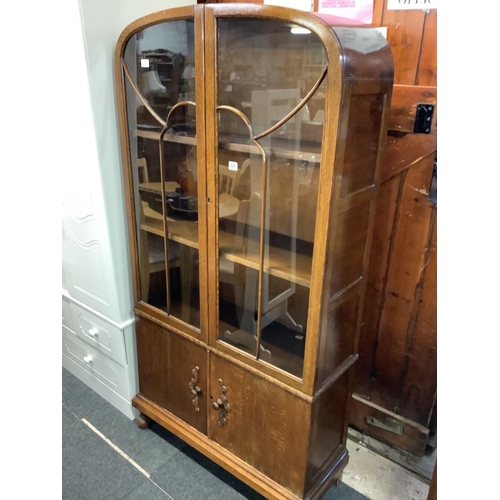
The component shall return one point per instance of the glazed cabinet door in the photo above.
(173, 372)
(164, 128)
(267, 103)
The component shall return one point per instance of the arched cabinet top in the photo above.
(363, 51)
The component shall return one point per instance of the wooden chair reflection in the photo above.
(245, 278)
(142, 168)
(151, 255)
(151, 246)
(228, 183)
(229, 178)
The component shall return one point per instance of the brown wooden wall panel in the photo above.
(402, 152)
(405, 100)
(407, 262)
(381, 244)
(396, 370)
(404, 34)
(427, 68)
(378, 12)
(417, 399)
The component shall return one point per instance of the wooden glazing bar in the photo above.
(297, 108)
(127, 173)
(162, 187)
(164, 218)
(211, 156)
(139, 95)
(261, 254)
(262, 220)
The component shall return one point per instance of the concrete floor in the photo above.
(379, 478)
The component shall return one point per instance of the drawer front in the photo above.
(67, 318)
(97, 364)
(99, 334)
(173, 372)
(265, 426)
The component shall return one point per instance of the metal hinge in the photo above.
(388, 425)
(423, 118)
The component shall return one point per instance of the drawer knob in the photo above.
(87, 359)
(93, 331)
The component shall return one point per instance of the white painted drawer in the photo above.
(67, 318)
(95, 363)
(101, 335)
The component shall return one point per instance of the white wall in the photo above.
(306, 5)
(174, 36)
(102, 23)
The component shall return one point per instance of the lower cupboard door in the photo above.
(260, 423)
(173, 372)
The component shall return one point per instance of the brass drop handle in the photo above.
(195, 390)
(222, 405)
(217, 404)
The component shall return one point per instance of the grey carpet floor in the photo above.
(97, 439)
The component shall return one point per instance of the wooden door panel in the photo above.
(166, 362)
(417, 399)
(266, 426)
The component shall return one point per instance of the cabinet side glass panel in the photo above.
(270, 110)
(161, 106)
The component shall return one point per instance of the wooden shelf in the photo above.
(277, 264)
(180, 139)
(281, 152)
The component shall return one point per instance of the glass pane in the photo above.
(160, 97)
(239, 221)
(268, 70)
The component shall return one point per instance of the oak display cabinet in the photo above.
(251, 141)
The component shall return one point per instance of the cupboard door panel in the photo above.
(263, 425)
(166, 363)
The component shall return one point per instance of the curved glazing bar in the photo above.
(245, 119)
(163, 193)
(139, 94)
(297, 108)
